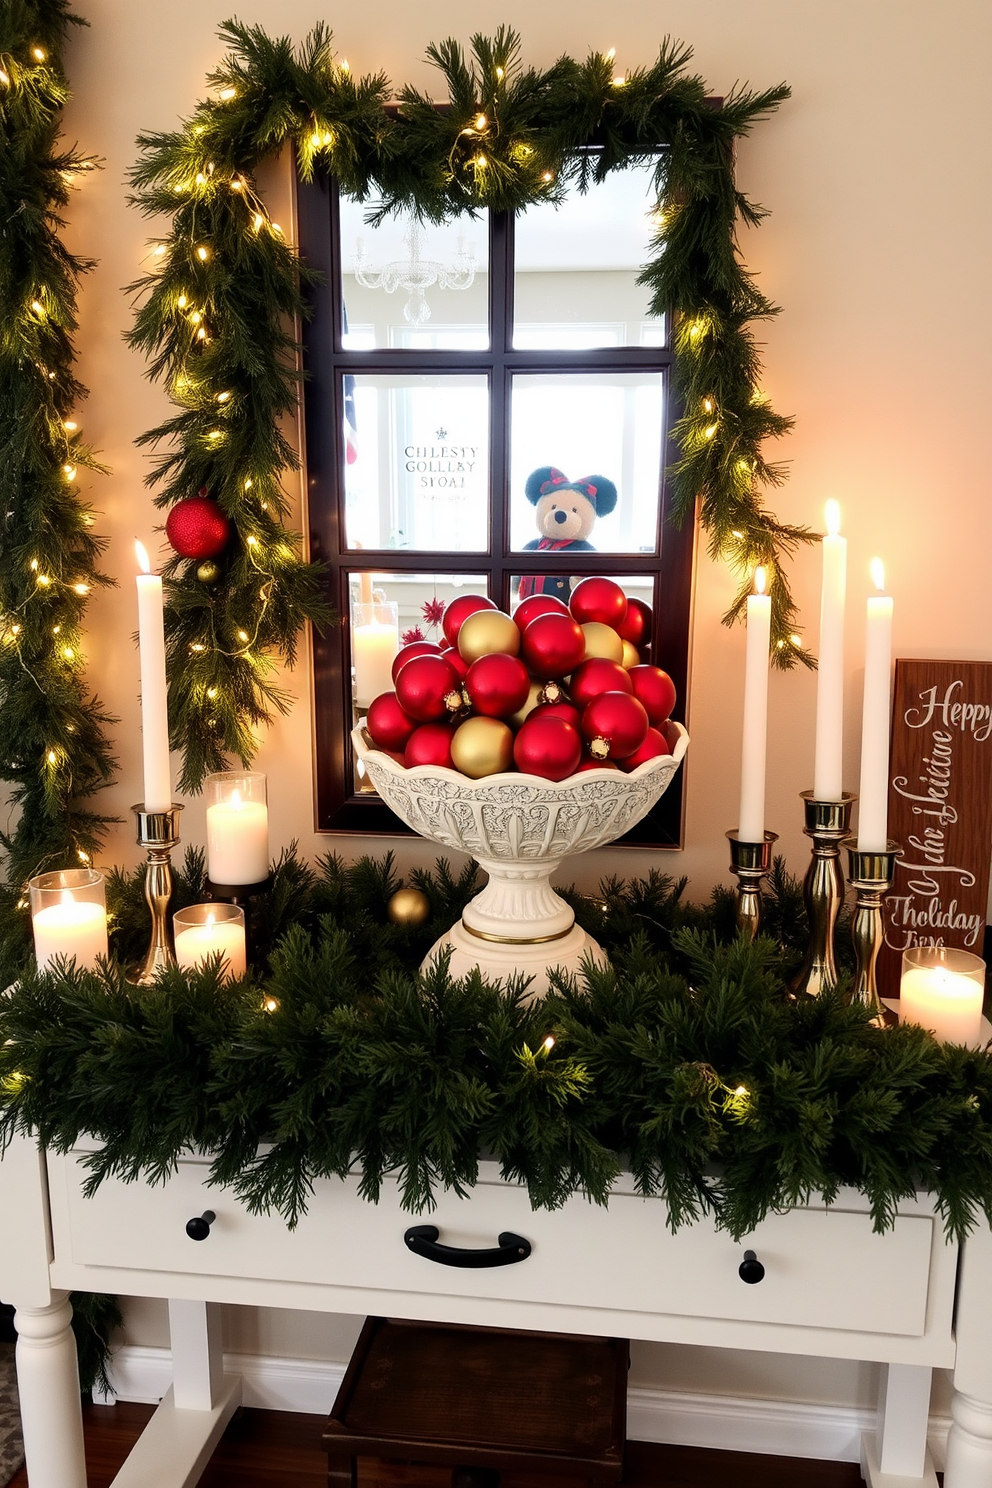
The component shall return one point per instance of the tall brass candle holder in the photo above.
(158, 833)
(827, 823)
(749, 862)
(870, 875)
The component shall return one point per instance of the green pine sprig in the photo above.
(53, 749)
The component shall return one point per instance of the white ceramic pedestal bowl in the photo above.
(518, 828)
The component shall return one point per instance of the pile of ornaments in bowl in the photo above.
(552, 690)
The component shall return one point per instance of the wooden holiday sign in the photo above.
(940, 810)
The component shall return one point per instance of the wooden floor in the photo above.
(277, 1449)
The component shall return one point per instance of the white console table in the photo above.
(831, 1287)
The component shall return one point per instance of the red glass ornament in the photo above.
(598, 599)
(415, 648)
(497, 684)
(388, 722)
(458, 610)
(552, 645)
(596, 676)
(563, 709)
(635, 626)
(654, 745)
(197, 527)
(538, 604)
(597, 764)
(548, 747)
(430, 744)
(615, 724)
(656, 691)
(429, 688)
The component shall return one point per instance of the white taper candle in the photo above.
(154, 690)
(873, 796)
(751, 822)
(828, 760)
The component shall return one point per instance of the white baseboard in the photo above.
(780, 1428)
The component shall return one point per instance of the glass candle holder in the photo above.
(943, 989)
(203, 930)
(69, 916)
(375, 640)
(237, 828)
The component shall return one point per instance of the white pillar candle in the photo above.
(237, 840)
(828, 761)
(154, 690)
(751, 822)
(873, 797)
(197, 943)
(375, 640)
(942, 989)
(73, 927)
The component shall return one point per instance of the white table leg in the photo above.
(197, 1354)
(895, 1455)
(969, 1443)
(48, 1386)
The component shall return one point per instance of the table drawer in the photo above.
(824, 1268)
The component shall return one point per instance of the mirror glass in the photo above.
(576, 267)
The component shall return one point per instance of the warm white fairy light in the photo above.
(39, 54)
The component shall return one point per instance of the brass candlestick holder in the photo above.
(870, 875)
(749, 862)
(158, 833)
(827, 823)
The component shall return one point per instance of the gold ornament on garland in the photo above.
(208, 572)
(410, 907)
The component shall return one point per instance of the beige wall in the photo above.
(876, 175)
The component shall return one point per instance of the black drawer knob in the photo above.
(199, 1228)
(750, 1269)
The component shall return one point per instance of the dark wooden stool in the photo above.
(481, 1403)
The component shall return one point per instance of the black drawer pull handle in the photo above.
(199, 1228)
(750, 1269)
(422, 1240)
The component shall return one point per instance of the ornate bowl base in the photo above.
(534, 959)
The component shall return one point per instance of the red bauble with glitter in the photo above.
(388, 722)
(548, 747)
(429, 688)
(636, 624)
(430, 744)
(408, 652)
(459, 610)
(497, 685)
(538, 604)
(655, 744)
(595, 676)
(197, 528)
(615, 724)
(598, 599)
(656, 691)
(552, 645)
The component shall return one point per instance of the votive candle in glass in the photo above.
(69, 916)
(203, 930)
(942, 989)
(237, 828)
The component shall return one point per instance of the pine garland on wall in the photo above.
(215, 310)
(53, 750)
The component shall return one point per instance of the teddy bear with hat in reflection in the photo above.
(566, 513)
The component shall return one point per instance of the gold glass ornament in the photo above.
(602, 641)
(631, 656)
(533, 699)
(486, 631)
(208, 572)
(482, 746)
(409, 907)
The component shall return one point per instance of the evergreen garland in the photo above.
(684, 1063)
(214, 311)
(53, 750)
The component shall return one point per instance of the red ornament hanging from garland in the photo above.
(197, 527)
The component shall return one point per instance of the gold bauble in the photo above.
(631, 656)
(486, 631)
(533, 698)
(208, 572)
(602, 641)
(409, 907)
(482, 746)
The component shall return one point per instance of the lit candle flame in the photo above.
(759, 580)
(832, 516)
(878, 574)
(142, 555)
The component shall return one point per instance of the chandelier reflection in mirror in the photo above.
(416, 274)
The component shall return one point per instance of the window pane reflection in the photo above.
(607, 425)
(417, 468)
(576, 267)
